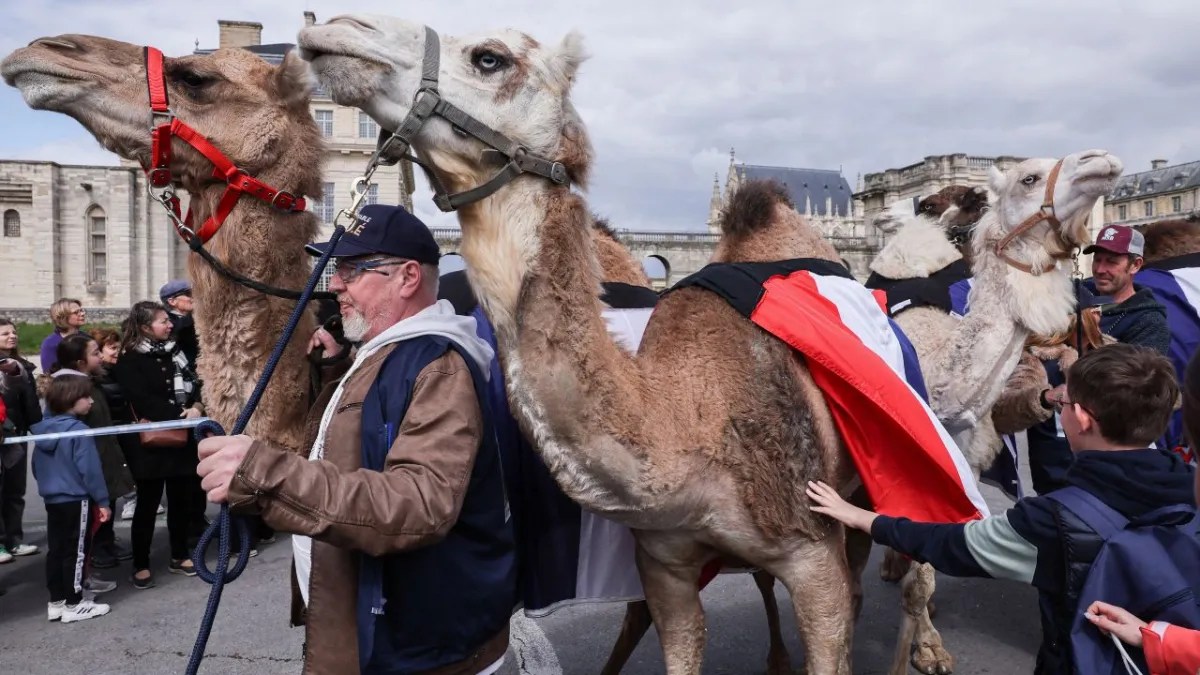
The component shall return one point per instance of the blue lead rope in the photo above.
(220, 528)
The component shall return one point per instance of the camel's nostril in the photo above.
(352, 22)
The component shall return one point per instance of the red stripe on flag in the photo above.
(899, 453)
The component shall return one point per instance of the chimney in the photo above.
(239, 33)
(1157, 163)
(310, 19)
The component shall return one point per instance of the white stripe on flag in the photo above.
(860, 313)
(1188, 279)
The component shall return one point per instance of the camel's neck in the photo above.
(1007, 305)
(975, 363)
(532, 264)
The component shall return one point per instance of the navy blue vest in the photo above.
(435, 606)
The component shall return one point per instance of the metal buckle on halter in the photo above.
(283, 200)
(168, 116)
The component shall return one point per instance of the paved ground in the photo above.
(990, 626)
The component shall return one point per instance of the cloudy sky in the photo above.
(862, 85)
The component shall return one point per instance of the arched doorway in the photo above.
(658, 269)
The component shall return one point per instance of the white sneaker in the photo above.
(128, 509)
(97, 585)
(5, 556)
(86, 609)
(54, 610)
(23, 549)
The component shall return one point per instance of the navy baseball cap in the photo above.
(173, 288)
(385, 230)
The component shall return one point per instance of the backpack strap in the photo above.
(1099, 516)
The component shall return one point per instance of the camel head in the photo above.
(957, 208)
(1035, 288)
(1020, 193)
(254, 112)
(505, 79)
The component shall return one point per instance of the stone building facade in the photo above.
(1164, 192)
(877, 191)
(90, 232)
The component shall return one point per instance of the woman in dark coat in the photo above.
(20, 397)
(160, 384)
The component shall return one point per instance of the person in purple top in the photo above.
(68, 317)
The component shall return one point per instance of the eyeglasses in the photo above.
(1064, 403)
(79, 311)
(349, 270)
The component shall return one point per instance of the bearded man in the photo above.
(404, 554)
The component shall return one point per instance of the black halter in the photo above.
(427, 104)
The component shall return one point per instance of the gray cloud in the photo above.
(671, 85)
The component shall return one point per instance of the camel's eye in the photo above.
(488, 62)
(191, 79)
(1030, 179)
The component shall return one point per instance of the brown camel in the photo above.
(701, 443)
(257, 114)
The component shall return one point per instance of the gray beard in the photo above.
(355, 326)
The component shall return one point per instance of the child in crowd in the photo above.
(1170, 650)
(1119, 399)
(71, 482)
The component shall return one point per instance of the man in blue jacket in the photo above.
(1136, 317)
(1118, 401)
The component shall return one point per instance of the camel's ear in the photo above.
(567, 58)
(996, 179)
(293, 81)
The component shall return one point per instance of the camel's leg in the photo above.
(673, 596)
(633, 628)
(858, 552)
(818, 579)
(778, 661)
(928, 656)
(893, 566)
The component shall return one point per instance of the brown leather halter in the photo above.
(1046, 213)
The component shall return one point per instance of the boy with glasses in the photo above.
(1118, 401)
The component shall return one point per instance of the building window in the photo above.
(1176, 204)
(373, 193)
(97, 227)
(323, 207)
(324, 120)
(326, 276)
(1122, 213)
(366, 126)
(1147, 208)
(12, 223)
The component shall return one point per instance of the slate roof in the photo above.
(806, 186)
(1157, 181)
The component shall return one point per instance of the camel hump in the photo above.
(752, 208)
(1170, 238)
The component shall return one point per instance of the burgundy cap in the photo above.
(1120, 239)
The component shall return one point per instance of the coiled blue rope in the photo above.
(221, 526)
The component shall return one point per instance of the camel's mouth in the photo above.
(44, 86)
(1097, 174)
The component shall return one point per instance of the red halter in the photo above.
(159, 173)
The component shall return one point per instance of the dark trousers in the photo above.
(105, 534)
(180, 504)
(68, 545)
(12, 501)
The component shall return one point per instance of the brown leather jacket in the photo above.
(412, 503)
